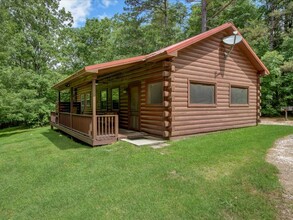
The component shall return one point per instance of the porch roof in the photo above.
(167, 52)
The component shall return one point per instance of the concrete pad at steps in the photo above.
(143, 141)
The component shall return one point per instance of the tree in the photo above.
(28, 58)
(209, 11)
(164, 21)
(277, 88)
(278, 17)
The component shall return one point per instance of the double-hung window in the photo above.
(155, 93)
(238, 95)
(202, 93)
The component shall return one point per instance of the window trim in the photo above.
(151, 81)
(241, 87)
(115, 109)
(104, 109)
(191, 105)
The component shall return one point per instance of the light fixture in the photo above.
(125, 90)
(232, 40)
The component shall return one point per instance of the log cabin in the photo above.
(187, 88)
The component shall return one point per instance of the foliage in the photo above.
(29, 58)
(272, 99)
(277, 90)
(226, 178)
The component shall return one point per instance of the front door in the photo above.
(134, 107)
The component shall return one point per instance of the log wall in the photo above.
(204, 62)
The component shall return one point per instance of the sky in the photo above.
(83, 9)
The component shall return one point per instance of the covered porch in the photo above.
(103, 98)
(79, 117)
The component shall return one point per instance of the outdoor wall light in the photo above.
(125, 91)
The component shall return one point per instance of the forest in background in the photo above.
(39, 46)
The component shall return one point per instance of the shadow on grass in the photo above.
(64, 141)
(8, 134)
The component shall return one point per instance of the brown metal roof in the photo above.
(170, 51)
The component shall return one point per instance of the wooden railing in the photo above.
(82, 123)
(107, 126)
(64, 119)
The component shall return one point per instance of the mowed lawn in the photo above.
(46, 175)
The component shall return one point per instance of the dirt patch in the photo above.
(281, 155)
(276, 121)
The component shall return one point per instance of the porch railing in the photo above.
(82, 123)
(107, 125)
(64, 119)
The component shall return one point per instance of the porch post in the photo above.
(94, 108)
(71, 105)
(58, 100)
(58, 104)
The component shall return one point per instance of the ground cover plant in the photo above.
(44, 174)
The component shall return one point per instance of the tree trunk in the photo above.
(272, 28)
(166, 13)
(203, 15)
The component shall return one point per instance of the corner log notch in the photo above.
(167, 91)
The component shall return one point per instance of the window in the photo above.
(201, 93)
(88, 100)
(239, 95)
(82, 98)
(103, 98)
(155, 93)
(115, 98)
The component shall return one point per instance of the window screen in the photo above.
(155, 93)
(202, 93)
(115, 98)
(104, 99)
(239, 95)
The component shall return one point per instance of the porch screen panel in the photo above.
(202, 93)
(104, 97)
(115, 98)
(239, 95)
(82, 102)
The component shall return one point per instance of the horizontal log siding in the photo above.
(205, 62)
(151, 118)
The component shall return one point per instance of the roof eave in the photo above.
(68, 79)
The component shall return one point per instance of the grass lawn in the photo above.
(45, 175)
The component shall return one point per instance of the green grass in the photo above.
(45, 175)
